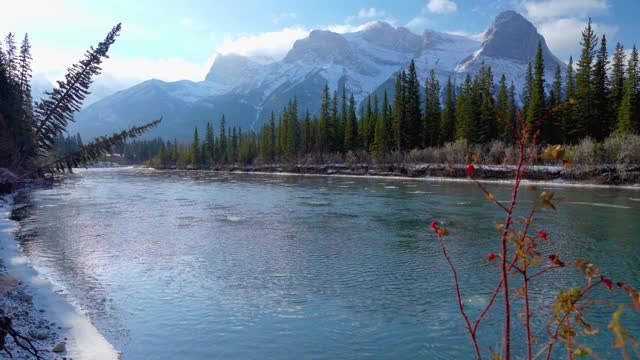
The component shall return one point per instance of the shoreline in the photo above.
(605, 176)
(38, 309)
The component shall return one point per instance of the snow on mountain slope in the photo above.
(247, 90)
(509, 45)
(442, 53)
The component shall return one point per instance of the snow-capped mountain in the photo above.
(247, 90)
(509, 45)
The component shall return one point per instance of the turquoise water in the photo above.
(196, 265)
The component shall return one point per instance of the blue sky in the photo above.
(173, 40)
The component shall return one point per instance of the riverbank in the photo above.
(36, 307)
(610, 175)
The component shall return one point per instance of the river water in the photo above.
(201, 265)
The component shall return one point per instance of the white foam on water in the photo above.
(319, 203)
(599, 205)
(390, 187)
(440, 179)
(477, 300)
(234, 218)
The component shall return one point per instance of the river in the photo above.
(202, 265)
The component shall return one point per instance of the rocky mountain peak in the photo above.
(382, 34)
(320, 45)
(226, 69)
(513, 37)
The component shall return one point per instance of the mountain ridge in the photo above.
(365, 62)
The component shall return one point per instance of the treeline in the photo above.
(605, 96)
(67, 144)
(231, 145)
(16, 105)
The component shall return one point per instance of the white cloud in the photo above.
(366, 13)
(563, 35)
(118, 72)
(417, 23)
(348, 28)
(274, 44)
(442, 6)
(561, 22)
(370, 13)
(547, 9)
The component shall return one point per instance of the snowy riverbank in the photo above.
(603, 175)
(37, 309)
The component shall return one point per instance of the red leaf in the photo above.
(470, 169)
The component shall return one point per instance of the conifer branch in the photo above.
(53, 114)
(94, 150)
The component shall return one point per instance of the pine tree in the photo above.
(25, 133)
(11, 58)
(234, 146)
(335, 139)
(448, 117)
(617, 80)
(209, 144)
(24, 71)
(343, 118)
(584, 86)
(502, 108)
(272, 138)
(601, 123)
(432, 111)
(363, 125)
(222, 142)
(388, 123)
(307, 139)
(281, 137)
(381, 132)
(463, 104)
(528, 89)
(398, 114)
(292, 130)
(513, 112)
(628, 114)
(351, 130)
(325, 118)
(263, 143)
(375, 113)
(555, 98)
(413, 112)
(485, 122)
(195, 149)
(174, 151)
(314, 133)
(568, 114)
(537, 107)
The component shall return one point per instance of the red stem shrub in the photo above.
(519, 256)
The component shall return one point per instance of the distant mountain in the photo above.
(247, 90)
(510, 43)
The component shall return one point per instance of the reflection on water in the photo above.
(198, 265)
